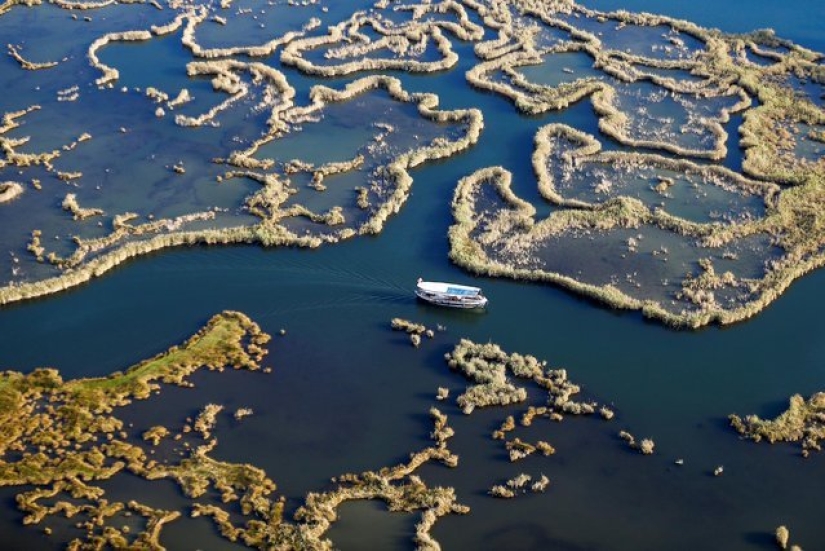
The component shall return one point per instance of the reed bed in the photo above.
(719, 63)
(263, 50)
(411, 327)
(71, 205)
(397, 168)
(405, 41)
(488, 366)
(790, 215)
(8, 146)
(397, 486)
(10, 191)
(520, 484)
(801, 422)
(65, 436)
(93, 257)
(14, 53)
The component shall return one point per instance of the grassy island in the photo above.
(692, 242)
(489, 368)
(487, 365)
(737, 258)
(803, 421)
(10, 191)
(62, 437)
(387, 168)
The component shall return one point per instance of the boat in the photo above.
(452, 295)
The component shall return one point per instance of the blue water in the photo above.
(348, 394)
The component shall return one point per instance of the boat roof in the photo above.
(448, 288)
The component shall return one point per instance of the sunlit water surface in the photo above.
(347, 394)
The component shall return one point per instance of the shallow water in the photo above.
(675, 119)
(348, 394)
(562, 68)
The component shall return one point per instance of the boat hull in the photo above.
(468, 303)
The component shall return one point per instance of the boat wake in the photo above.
(352, 300)
(284, 271)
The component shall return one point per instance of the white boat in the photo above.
(450, 294)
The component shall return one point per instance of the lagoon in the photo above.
(348, 394)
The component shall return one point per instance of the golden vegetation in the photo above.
(58, 439)
(63, 436)
(705, 73)
(803, 421)
(398, 46)
(475, 232)
(93, 257)
(10, 191)
(521, 42)
(156, 434)
(717, 67)
(71, 205)
(14, 52)
(488, 366)
(782, 537)
(397, 486)
(9, 145)
(520, 484)
(415, 331)
(397, 181)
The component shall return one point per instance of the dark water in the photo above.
(348, 394)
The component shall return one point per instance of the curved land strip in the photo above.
(14, 52)
(516, 48)
(803, 421)
(774, 244)
(507, 241)
(63, 436)
(95, 256)
(561, 152)
(59, 439)
(227, 80)
(190, 19)
(348, 48)
(8, 145)
(10, 191)
(187, 20)
(720, 65)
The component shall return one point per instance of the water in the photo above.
(348, 394)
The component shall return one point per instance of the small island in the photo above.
(803, 422)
